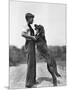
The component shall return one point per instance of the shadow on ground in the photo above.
(41, 79)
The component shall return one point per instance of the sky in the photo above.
(51, 16)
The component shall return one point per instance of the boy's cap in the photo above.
(29, 15)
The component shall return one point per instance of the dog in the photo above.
(43, 49)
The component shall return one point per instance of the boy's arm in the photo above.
(29, 37)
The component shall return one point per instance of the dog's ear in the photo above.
(41, 27)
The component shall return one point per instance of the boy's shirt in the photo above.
(26, 30)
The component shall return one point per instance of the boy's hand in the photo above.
(24, 33)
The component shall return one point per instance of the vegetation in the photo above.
(18, 56)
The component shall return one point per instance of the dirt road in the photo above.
(18, 76)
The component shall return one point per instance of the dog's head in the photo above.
(39, 28)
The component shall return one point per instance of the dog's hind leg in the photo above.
(55, 68)
(51, 70)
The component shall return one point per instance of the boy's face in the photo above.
(30, 20)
